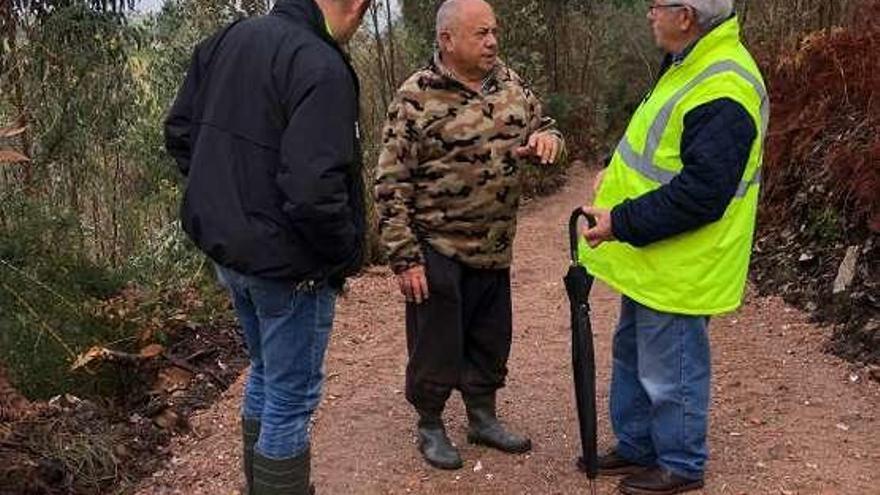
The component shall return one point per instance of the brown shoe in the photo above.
(612, 464)
(657, 481)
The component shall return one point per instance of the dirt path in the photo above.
(786, 418)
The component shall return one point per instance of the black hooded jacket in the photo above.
(265, 130)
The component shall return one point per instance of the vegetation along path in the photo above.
(786, 417)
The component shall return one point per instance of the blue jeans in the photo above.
(286, 331)
(660, 387)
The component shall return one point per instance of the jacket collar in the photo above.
(303, 12)
(490, 83)
(307, 12)
(725, 31)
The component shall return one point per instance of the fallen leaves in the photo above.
(99, 354)
(15, 129)
(92, 355)
(9, 155)
(151, 351)
(12, 156)
(13, 405)
(172, 379)
(168, 419)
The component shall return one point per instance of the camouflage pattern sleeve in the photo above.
(395, 186)
(538, 122)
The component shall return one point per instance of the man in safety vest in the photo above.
(675, 215)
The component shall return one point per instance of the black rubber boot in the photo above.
(434, 445)
(282, 476)
(485, 429)
(250, 433)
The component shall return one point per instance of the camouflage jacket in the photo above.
(447, 174)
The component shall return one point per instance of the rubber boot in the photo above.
(434, 445)
(282, 476)
(250, 433)
(485, 429)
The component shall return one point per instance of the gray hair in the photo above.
(710, 12)
(447, 16)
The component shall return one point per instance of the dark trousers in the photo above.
(460, 337)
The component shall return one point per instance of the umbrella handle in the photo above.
(573, 233)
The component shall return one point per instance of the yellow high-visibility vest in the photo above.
(701, 272)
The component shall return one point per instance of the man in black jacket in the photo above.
(265, 130)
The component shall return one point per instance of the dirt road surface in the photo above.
(786, 417)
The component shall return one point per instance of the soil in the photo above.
(787, 418)
(818, 243)
(71, 445)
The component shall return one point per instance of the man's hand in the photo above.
(602, 232)
(414, 284)
(542, 145)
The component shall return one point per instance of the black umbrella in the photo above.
(578, 283)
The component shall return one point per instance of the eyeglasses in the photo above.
(652, 8)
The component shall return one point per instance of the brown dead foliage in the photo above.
(81, 446)
(12, 405)
(825, 125)
(821, 191)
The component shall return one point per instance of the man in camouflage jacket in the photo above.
(447, 192)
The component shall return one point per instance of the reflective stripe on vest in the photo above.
(644, 163)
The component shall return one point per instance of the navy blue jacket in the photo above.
(264, 129)
(715, 148)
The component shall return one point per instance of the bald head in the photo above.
(467, 37)
(452, 12)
